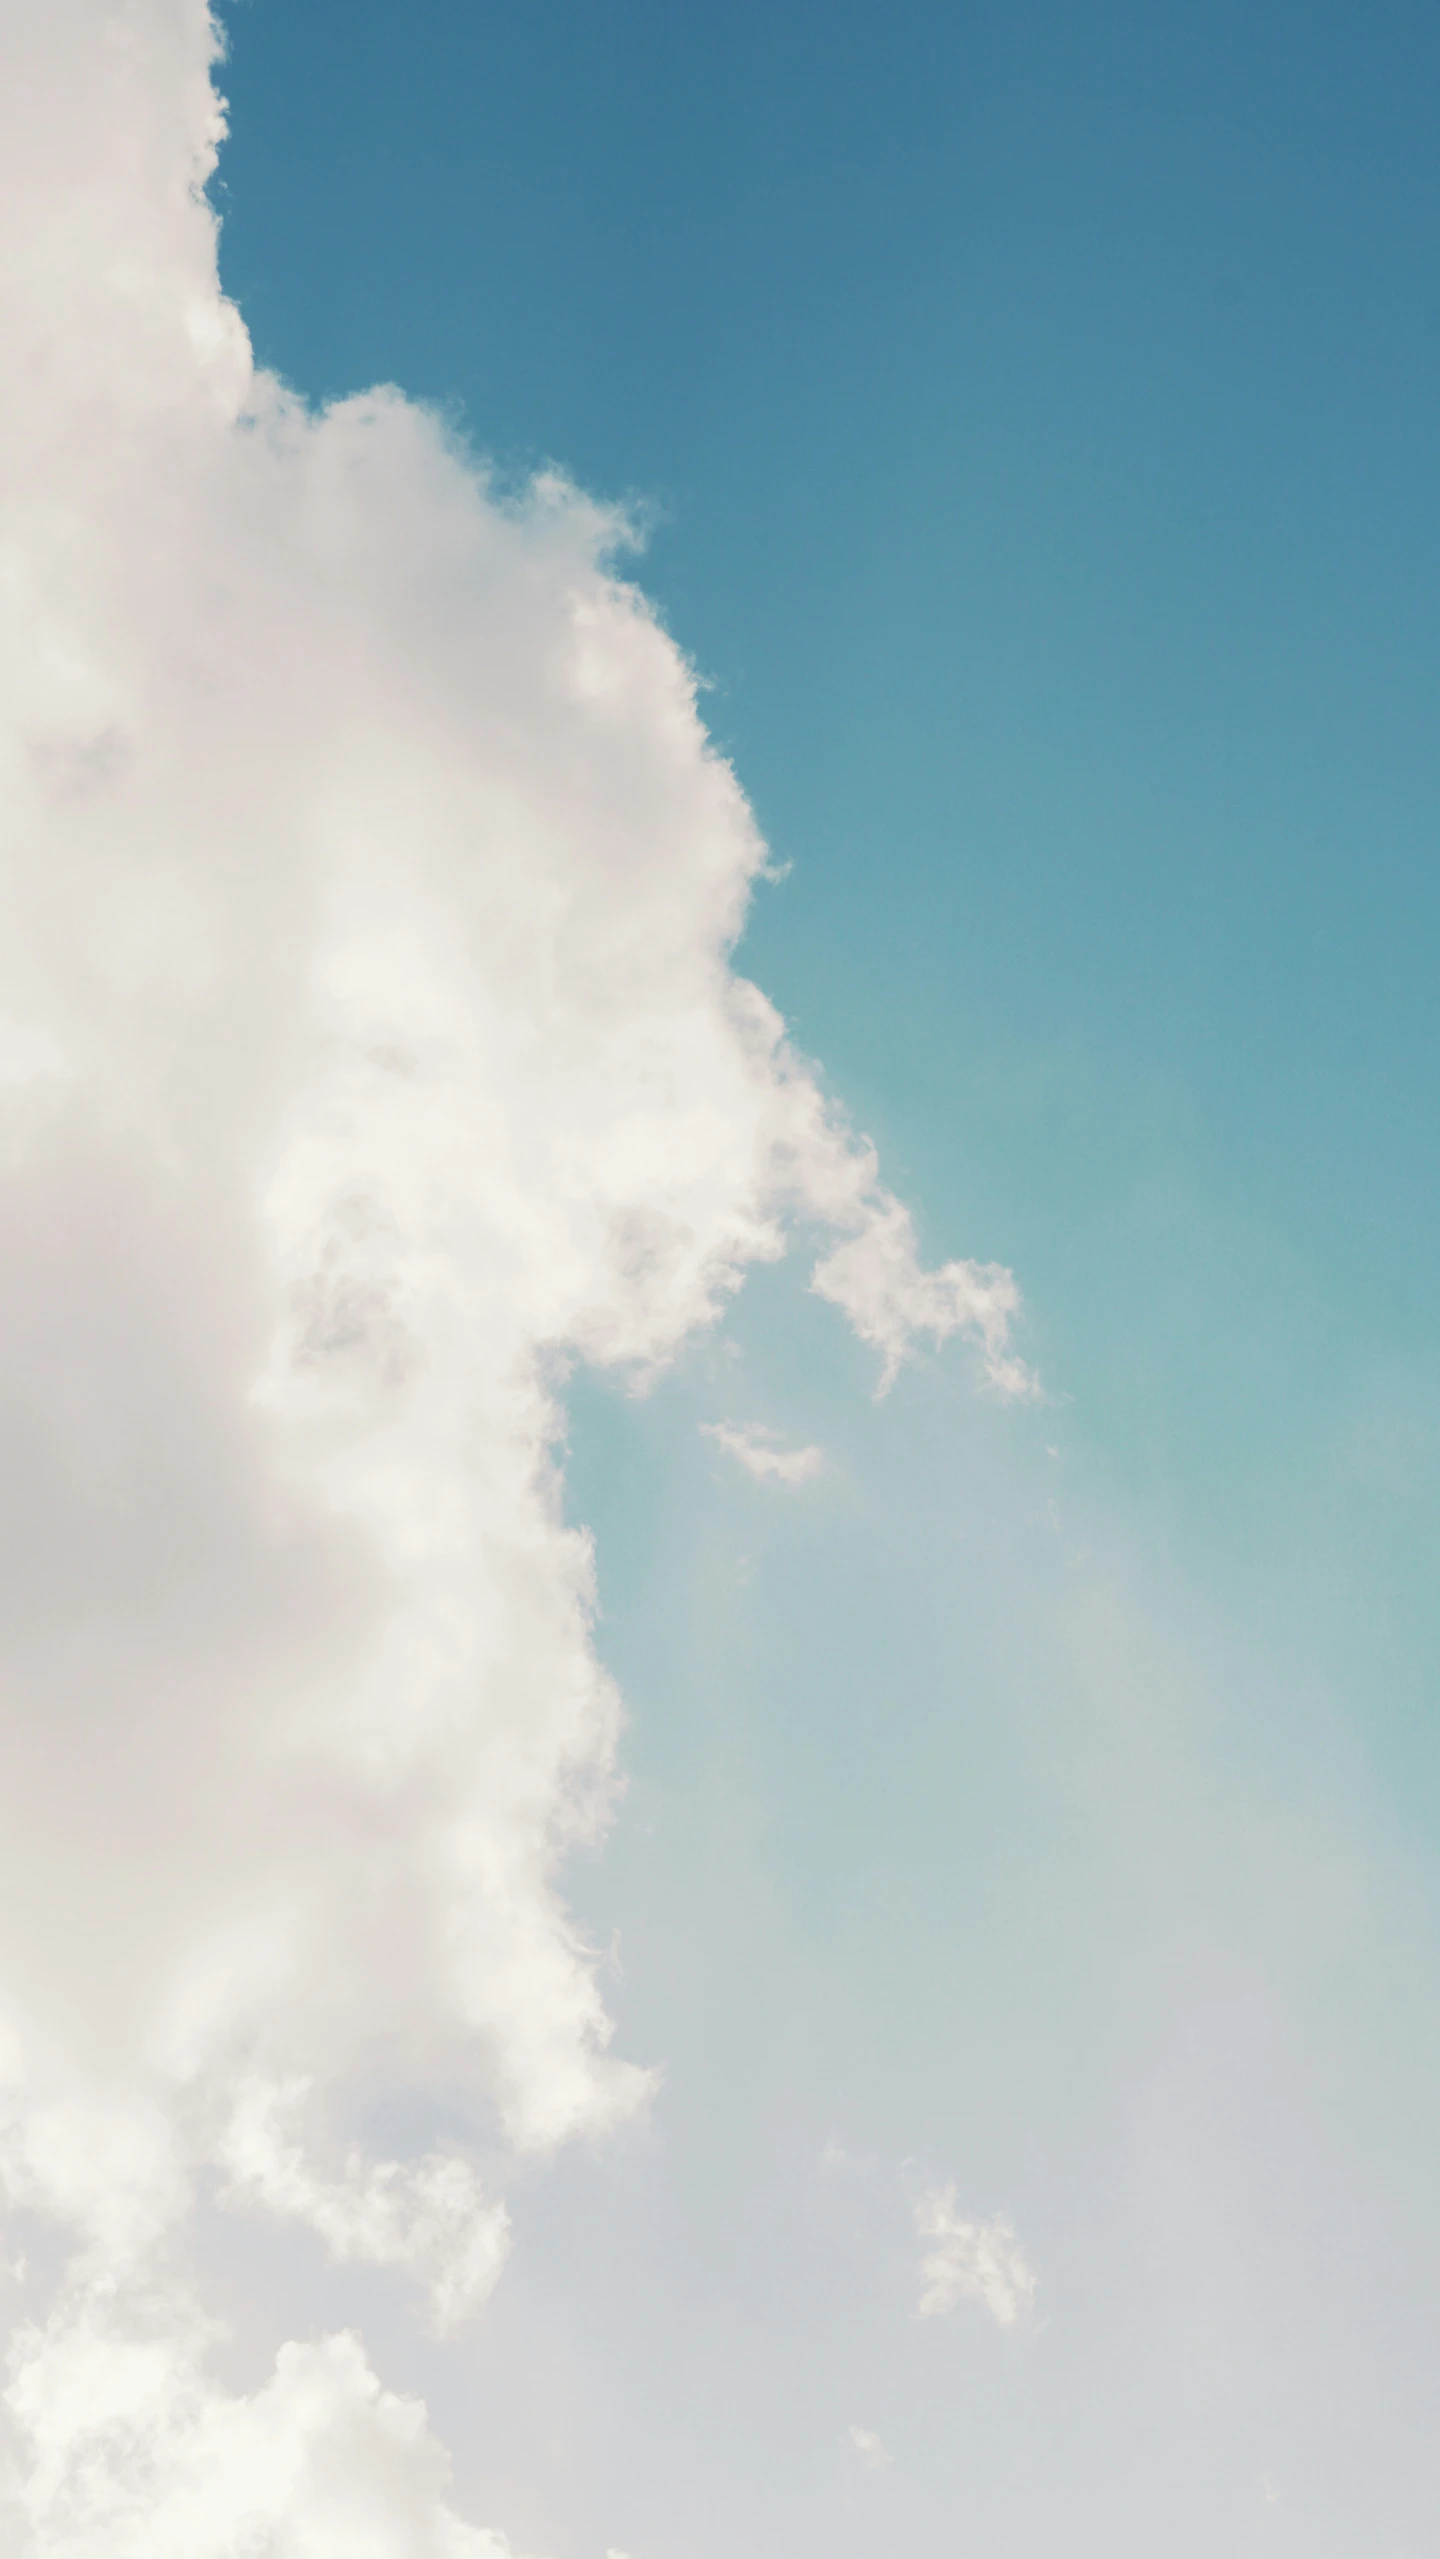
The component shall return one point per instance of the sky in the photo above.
(1034, 410)
(717, 1380)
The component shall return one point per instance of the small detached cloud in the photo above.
(871, 2450)
(758, 1451)
(971, 2261)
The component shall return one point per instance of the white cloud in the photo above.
(758, 1451)
(133, 2454)
(369, 1050)
(971, 2261)
(871, 2450)
(428, 2216)
(877, 1279)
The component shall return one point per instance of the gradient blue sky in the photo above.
(1036, 410)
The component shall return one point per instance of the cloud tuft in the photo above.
(978, 2261)
(759, 1452)
(871, 2450)
(877, 1280)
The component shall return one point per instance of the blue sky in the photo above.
(1037, 412)
(1034, 410)
(1032, 415)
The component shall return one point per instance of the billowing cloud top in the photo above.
(370, 1049)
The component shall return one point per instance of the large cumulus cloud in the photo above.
(370, 1051)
